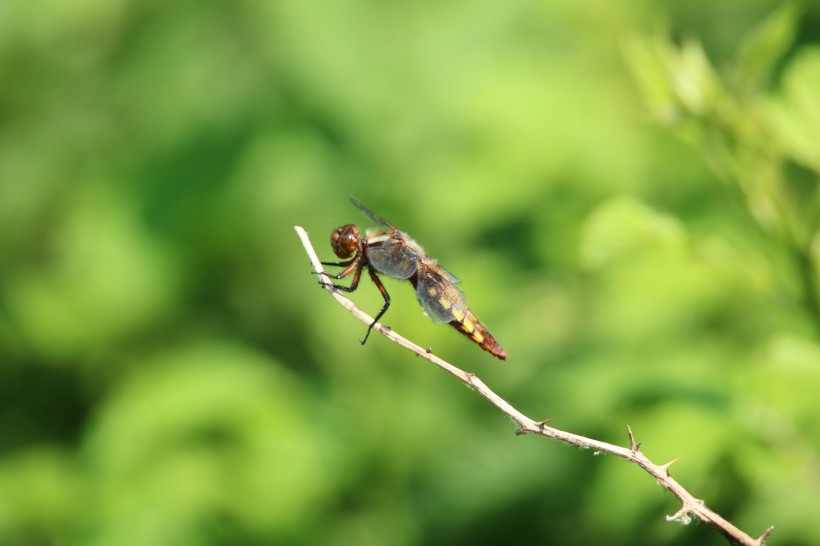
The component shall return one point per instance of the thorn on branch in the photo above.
(762, 540)
(470, 377)
(665, 467)
(632, 445)
(540, 424)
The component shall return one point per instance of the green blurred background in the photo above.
(627, 190)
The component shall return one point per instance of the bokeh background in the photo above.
(628, 191)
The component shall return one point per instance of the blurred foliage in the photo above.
(627, 190)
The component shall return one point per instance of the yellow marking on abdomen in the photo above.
(472, 328)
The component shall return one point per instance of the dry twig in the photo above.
(690, 506)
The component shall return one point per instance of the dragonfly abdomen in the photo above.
(472, 328)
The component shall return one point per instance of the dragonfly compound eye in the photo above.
(345, 240)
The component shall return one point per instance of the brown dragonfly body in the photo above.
(392, 252)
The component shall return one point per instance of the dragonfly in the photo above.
(389, 251)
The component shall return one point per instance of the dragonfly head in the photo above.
(345, 240)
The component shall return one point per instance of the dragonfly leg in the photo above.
(354, 265)
(340, 264)
(386, 297)
(349, 266)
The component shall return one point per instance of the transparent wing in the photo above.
(453, 278)
(372, 215)
(438, 295)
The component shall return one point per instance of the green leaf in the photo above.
(623, 225)
(676, 80)
(647, 58)
(795, 116)
(764, 47)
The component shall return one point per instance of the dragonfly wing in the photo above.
(453, 278)
(372, 215)
(438, 295)
(390, 253)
